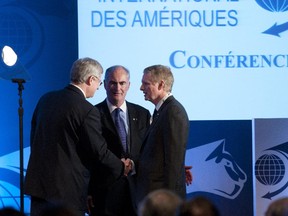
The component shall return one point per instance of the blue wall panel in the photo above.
(44, 35)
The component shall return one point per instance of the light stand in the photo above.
(21, 146)
(14, 70)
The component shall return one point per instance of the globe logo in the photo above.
(269, 169)
(273, 6)
(9, 195)
(20, 38)
(20, 29)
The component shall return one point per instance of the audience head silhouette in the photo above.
(199, 206)
(278, 207)
(160, 202)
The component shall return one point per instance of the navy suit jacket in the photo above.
(162, 155)
(102, 181)
(66, 142)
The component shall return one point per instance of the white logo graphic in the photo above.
(215, 170)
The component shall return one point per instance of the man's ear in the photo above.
(161, 85)
(89, 80)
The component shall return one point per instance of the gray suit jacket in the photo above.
(162, 156)
(66, 142)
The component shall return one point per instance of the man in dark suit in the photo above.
(109, 195)
(162, 155)
(66, 142)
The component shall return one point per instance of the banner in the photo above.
(271, 161)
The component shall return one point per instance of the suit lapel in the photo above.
(166, 102)
(133, 119)
(107, 120)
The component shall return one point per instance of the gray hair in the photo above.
(161, 72)
(83, 68)
(113, 68)
(161, 202)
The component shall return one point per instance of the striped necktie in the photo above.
(120, 125)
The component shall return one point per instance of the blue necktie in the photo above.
(120, 125)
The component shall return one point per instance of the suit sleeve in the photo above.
(95, 146)
(175, 141)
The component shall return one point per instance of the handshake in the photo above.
(128, 165)
(130, 169)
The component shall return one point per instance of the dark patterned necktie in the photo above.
(120, 125)
(155, 115)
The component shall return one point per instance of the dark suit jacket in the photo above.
(106, 191)
(162, 156)
(66, 142)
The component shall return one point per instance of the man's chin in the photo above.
(147, 99)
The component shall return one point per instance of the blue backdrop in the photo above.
(44, 35)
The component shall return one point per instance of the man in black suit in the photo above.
(162, 155)
(109, 195)
(66, 142)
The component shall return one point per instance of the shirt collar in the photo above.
(157, 107)
(111, 107)
(79, 89)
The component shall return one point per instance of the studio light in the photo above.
(9, 56)
(11, 69)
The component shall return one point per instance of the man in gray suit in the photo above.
(162, 155)
(110, 196)
(66, 141)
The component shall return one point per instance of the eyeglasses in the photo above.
(100, 82)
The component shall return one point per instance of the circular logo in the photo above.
(269, 169)
(273, 6)
(9, 195)
(20, 37)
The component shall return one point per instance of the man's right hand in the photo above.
(127, 166)
(90, 204)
